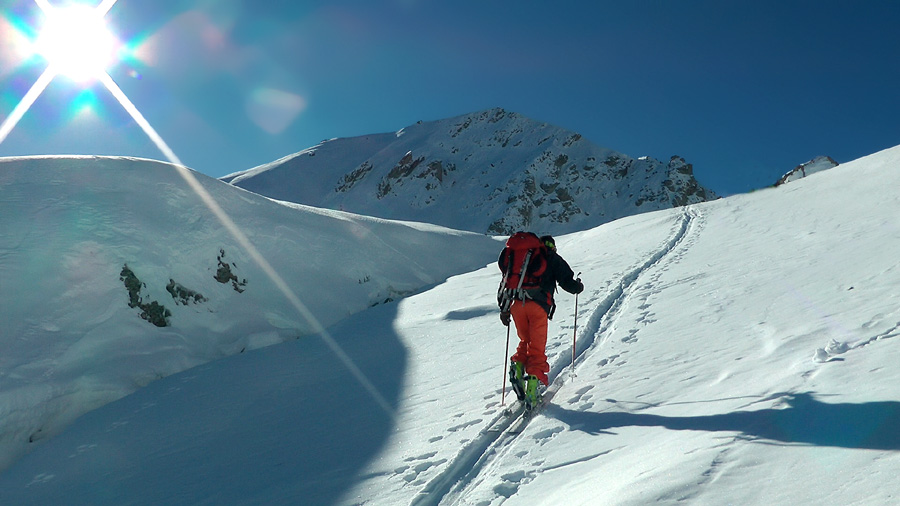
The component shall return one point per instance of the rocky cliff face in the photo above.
(493, 172)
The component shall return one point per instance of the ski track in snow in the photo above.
(464, 471)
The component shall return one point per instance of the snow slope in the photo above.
(492, 171)
(733, 352)
(70, 226)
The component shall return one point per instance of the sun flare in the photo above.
(76, 42)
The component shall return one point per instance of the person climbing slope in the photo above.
(531, 270)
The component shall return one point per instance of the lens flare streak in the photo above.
(44, 5)
(105, 6)
(51, 72)
(247, 245)
(22, 107)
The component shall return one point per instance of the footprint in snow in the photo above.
(420, 468)
(464, 425)
(511, 483)
(420, 457)
(631, 337)
(417, 465)
(506, 489)
(41, 478)
(83, 449)
(580, 395)
(547, 433)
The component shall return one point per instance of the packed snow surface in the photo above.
(739, 351)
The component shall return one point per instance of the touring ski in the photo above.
(528, 413)
(507, 418)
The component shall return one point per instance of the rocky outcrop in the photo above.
(817, 164)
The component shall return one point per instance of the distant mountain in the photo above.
(817, 164)
(491, 172)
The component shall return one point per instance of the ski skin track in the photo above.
(607, 312)
(451, 484)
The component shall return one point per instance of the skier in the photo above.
(531, 308)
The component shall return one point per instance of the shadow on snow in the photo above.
(286, 424)
(470, 314)
(805, 421)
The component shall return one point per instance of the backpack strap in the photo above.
(504, 298)
(524, 270)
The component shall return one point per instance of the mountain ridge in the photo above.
(491, 172)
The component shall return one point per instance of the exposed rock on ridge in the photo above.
(817, 164)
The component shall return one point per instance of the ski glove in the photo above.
(504, 318)
(580, 286)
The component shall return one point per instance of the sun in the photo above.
(76, 42)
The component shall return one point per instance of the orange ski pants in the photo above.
(531, 326)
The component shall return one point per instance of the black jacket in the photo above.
(558, 271)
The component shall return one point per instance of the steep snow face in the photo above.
(817, 164)
(492, 171)
(115, 272)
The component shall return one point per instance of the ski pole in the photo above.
(505, 353)
(575, 330)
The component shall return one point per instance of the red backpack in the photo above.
(523, 262)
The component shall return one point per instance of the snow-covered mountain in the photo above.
(730, 352)
(817, 164)
(116, 272)
(492, 172)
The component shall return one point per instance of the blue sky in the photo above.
(743, 90)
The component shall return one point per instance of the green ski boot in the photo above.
(532, 395)
(517, 379)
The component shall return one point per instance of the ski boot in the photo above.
(517, 379)
(532, 394)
